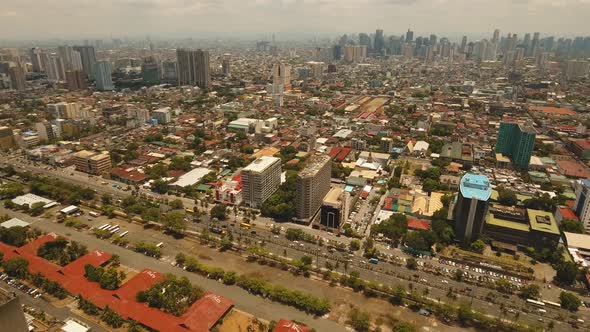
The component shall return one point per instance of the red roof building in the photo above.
(418, 224)
(288, 326)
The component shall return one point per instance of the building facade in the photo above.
(102, 72)
(516, 141)
(92, 162)
(260, 179)
(471, 206)
(193, 67)
(313, 183)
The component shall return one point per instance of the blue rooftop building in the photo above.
(471, 207)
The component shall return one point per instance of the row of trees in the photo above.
(107, 315)
(18, 236)
(49, 286)
(148, 249)
(257, 286)
(60, 190)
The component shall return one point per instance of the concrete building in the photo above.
(102, 74)
(150, 70)
(582, 203)
(335, 208)
(260, 179)
(471, 206)
(355, 53)
(193, 67)
(313, 183)
(6, 138)
(92, 162)
(163, 115)
(516, 141)
(37, 60)
(169, 71)
(17, 78)
(88, 57)
(76, 80)
(55, 68)
(12, 317)
(226, 65)
(575, 69)
(45, 131)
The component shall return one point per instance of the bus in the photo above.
(115, 230)
(103, 226)
(557, 305)
(246, 225)
(93, 214)
(159, 245)
(124, 233)
(535, 302)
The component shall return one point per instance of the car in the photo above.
(444, 281)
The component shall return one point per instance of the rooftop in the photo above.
(332, 197)
(542, 221)
(492, 220)
(314, 164)
(261, 164)
(580, 241)
(192, 177)
(13, 223)
(475, 186)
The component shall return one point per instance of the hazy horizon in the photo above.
(288, 19)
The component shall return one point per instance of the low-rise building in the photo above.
(92, 162)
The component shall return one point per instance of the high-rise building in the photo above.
(516, 141)
(45, 131)
(163, 115)
(534, 44)
(526, 43)
(169, 72)
(12, 317)
(334, 209)
(313, 183)
(55, 68)
(6, 138)
(355, 53)
(463, 48)
(575, 69)
(76, 61)
(582, 203)
(365, 40)
(76, 80)
(260, 179)
(150, 70)
(496, 36)
(225, 65)
(37, 60)
(102, 73)
(88, 57)
(471, 206)
(379, 41)
(92, 162)
(193, 67)
(66, 55)
(17, 78)
(409, 36)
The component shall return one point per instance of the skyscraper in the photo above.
(534, 44)
(150, 70)
(88, 57)
(76, 80)
(409, 36)
(36, 60)
(55, 68)
(463, 48)
(260, 179)
(364, 39)
(225, 65)
(17, 78)
(193, 67)
(516, 141)
(379, 41)
(313, 183)
(582, 203)
(496, 36)
(471, 207)
(169, 72)
(102, 72)
(575, 69)
(65, 53)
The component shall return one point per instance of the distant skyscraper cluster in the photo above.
(193, 67)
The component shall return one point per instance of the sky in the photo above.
(44, 19)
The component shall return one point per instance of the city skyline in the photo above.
(252, 19)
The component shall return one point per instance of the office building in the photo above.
(379, 41)
(163, 115)
(193, 67)
(355, 53)
(169, 71)
(225, 65)
(45, 132)
(471, 206)
(576, 69)
(6, 138)
(517, 142)
(260, 179)
(37, 60)
(92, 162)
(12, 317)
(335, 208)
(88, 57)
(102, 75)
(313, 183)
(65, 53)
(409, 36)
(150, 70)
(17, 78)
(281, 74)
(55, 68)
(582, 203)
(76, 80)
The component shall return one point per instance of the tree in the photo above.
(11, 190)
(111, 317)
(151, 214)
(111, 279)
(506, 197)
(477, 246)
(14, 236)
(359, 320)
(417, 240)
(403, 327)
(176, 204)
(16, 267)
(106, 199)
(355, 245)
(219, 211)
(465, 314)
(397, 298)
(393, 228)
(569, 301)
(504, 286)
(571, 226)
(179, 294)
(174, 222)
(566, 273)
(411, 264)
(531, 291)
(37, 208)
(160, 187)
